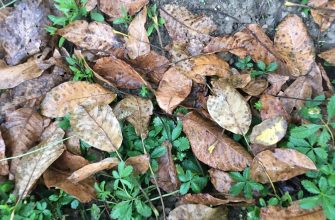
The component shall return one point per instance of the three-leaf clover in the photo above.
(190, 180)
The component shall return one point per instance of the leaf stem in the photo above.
(165, 195)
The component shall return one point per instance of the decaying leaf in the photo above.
(182, 25)
(91, 169)
(238, 80)
(91, 36)
(3, 164)
(119, 73)
(32, 166)
(90, 5)
(293, 212)
(269, 131)
(23, 32)
(173, 89)
(23, 129)
(323, 13)
(212, 147)
(228, 108)
(114, 8)
(137, 44)
(167, 174)
(72, 144)
(280, 164)
(221, 180)
(329, 56)
(66, 97)
(272, 107)
(315, 78)
(294, 45)
(208, 199)
(255, 87)
(70, 162)
(139, 163)
(325, 77)
(98, 127)
(276, 81)
(198, 212)
(137, 111)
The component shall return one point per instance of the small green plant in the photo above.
(244, 64)
(190, 180)
(263, 69)
(258, 105)
(124, 19)
(96, 16)
(156, 22)
(64, 122)
(80, 70)
(303, 9)
(145, 92)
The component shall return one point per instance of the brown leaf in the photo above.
(3, 164)
(91, 36)
(93, 168)
(208, 199)
(220, 180)
(72, 144)
(294, 45)
(228, 108)
(114, 8)
(292, 212)
(32, 166)
(137, 111)
(277, 81)
(329, 85)
(70, 162)
(90, 5)
(238, 80)
(212, 147)
(315, 79)
(256, 87)
(272, 107)
(173, 89)
(182, 25)
(119, 73)
(167, 174)
(323, 13)
(257, 148)
(23, 129)
(139, 163)
(328, 56)
(137, 44)
(280, 164)
(66, 97)
(198, 212)
(98, 127)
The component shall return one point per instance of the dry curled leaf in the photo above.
(198, 212)
(140, 163)
(119, 73)
(23, 129)
(212, 147)
(137, 111)
(280, 164)
(228, 108)
(269, 131)
(294, 45)
(93, 168)
(70, 162)
(91, 36)
(208, 199)
(98, 127)
(32, 166)
(67, 96)
(3, 164)
(329, 56)
(114, 8)
(272, 107)
(255, 87)
(323, 13)
(137, 43)
(173, 89)
(221, 180)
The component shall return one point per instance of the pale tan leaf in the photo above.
(208, 199)
(228, 108)
(280, 164)
(114, 8)
(239, 80)
(173, 89)
(32, 166)
(212, 147)
(90, 5)
(66, 97)
(269, 131)
(3, 164)
(91, 36)
(294, 45)
(329, 56)
(97, 127)
(93, 168)
(315, 78)
(256, 87)
(198, 212)
(139, 163)
(323, 13)
(221, 180)
(137, 44)
(137, 111)
(272, 107)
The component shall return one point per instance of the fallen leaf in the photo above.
(23, 32)
(67, 96)
(221, 180)
(90, 5)
(5, 12)
(173, 89)
(329, 56)
(93, 168)
(329, 85)
(256, 87)
(72, 144)
(32, 166)
(167, 174)
(280, 164)
(114, 9)
(182, 25)
(70, 162)
(292, 212)
(137, 111)
(198, 212)
(137, 43)
(3, 164)
(140, 163)
(315, 79)
(226, 155)
(228, 108)
(98, 127)
(257, 148)
(272, 107)
(91, 36)
(208, 199)
(294, 45)
(277, 81)
(239, 80)
(323, 13)
(23, 129)
(269, 131)
(119, 73)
